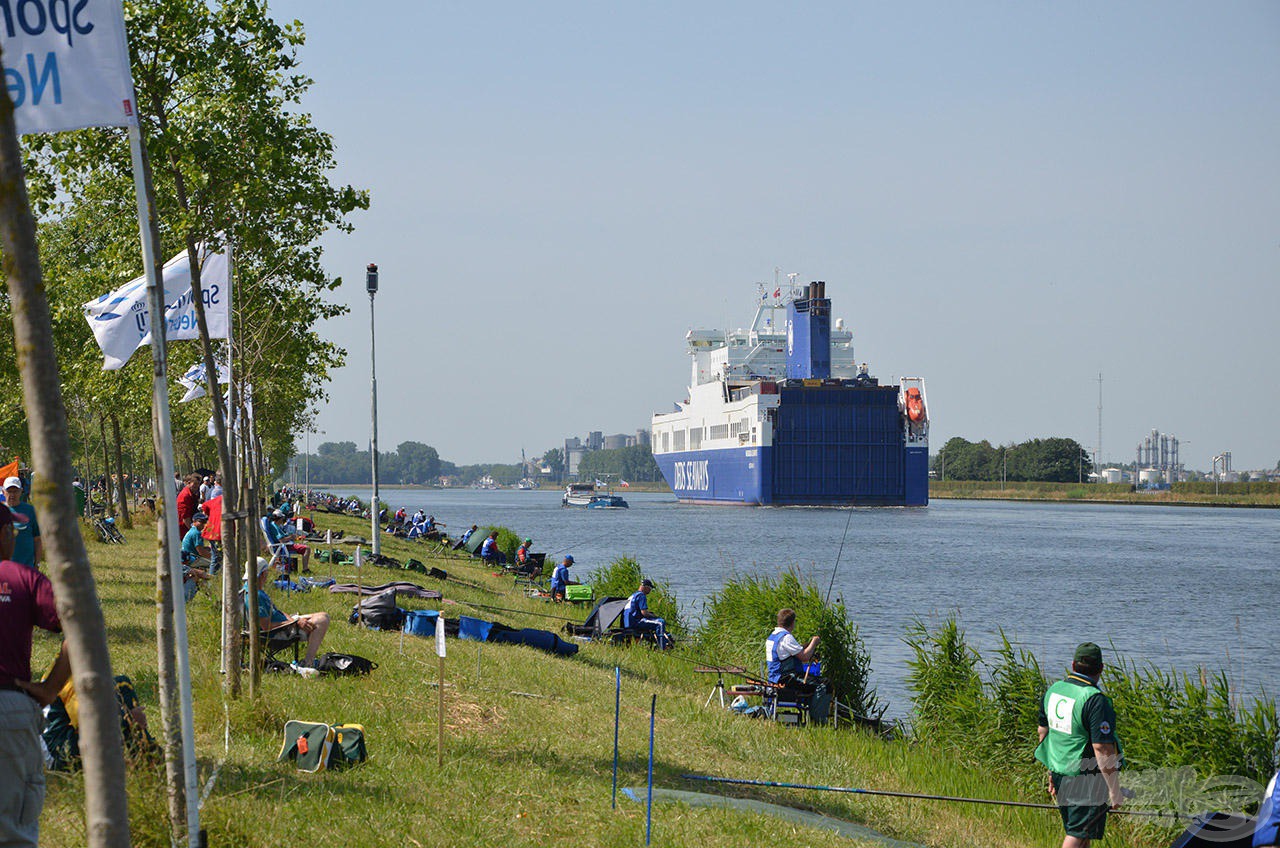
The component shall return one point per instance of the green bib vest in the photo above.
(1068, 738)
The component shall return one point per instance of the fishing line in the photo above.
(838, 555)
(919, 796)
(515, 611)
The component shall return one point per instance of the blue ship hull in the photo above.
(833, 445)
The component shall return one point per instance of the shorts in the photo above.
(1083, 801)
(299, 549)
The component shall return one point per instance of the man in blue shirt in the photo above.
(27, 547)
(269, 616)
(560, 578)
(489, 551)
(195, 557)
(637, 615)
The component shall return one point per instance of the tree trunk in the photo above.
(120, 489)
(87, 481)
(101, 746)
(110, 504)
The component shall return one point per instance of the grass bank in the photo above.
(528, 743)
(1266, 495)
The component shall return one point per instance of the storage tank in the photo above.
(1150, 477)
(1112, 475)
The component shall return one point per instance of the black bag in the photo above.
(438, 574)
(344, 664)
(380, 612)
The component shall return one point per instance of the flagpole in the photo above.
(164, 437)
(228, 576)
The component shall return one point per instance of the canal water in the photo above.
(1177, 587)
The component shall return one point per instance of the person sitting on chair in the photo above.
(560, 578)
(638, 616)
(62, 727)
(489, 551)
(269, 617)
(783, 654)
(287, 538)
(195, 557)
(522, 552)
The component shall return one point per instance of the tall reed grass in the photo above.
(988, 712)
(744, 612)
(621, 578)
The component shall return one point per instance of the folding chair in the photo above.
(787, 705)
(281, 553)
(273, 642)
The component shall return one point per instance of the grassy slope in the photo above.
(518, 770)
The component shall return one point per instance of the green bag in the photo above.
(577, 593)
(414, 565)
(348, 746)
(309, 743)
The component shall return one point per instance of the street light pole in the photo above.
(371, 286)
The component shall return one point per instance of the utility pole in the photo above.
(371, 286)
(1097, 457)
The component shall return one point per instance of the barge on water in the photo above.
(782, 414)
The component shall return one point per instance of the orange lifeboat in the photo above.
(915, 405)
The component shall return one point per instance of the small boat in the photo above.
(585, 495)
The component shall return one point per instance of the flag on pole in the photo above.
(120, 322)
(194, 381)
(67, 65)
(10, 470)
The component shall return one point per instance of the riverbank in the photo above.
(1251, 495)
(528, 758)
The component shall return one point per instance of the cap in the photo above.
(1089, 655)
(275, 513)
(199, 516)
(530, 542)
(12, 483)
(263, 565)
(568, 558)
(647, 582)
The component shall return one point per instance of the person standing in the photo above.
(28, 549)
(188, 501)
(26, 597)
(213, 531)
(783, 654)
(1079, 746)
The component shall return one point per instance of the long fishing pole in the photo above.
(515, 611)
(578, 544)
(836, 568)
(919, 796)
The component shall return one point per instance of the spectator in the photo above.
(638, 616)
(560, 578)
(195, 557)
(188, 499)
(314, 625)
(62, 729)
(282, 540)
(26, 596)
(206, 483)
(213, 531)
(215, 489)
(28, 548)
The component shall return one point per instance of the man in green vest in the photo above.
(1079, 746)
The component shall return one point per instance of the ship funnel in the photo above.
(809, 335)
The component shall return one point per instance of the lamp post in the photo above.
(1004, 465)
(371, 286)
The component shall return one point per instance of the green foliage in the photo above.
(990, 712)
(1050, 460)
(621, 578)
(745, 611)
(1208, 487)
(633, 463)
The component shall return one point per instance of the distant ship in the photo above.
(585, 495)
(782, 414)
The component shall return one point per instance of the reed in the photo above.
(621, 578)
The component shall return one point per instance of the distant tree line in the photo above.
(1054, 460)
(415, 463)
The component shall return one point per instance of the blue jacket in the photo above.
(635, 605)
(559, 578)
(1267, 831)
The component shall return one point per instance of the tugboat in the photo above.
(585, 495)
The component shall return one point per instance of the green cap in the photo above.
(1088, 655)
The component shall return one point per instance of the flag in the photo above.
(120, 322)
(777, 293)
(10, 470)
(194, 382)
(67, 65)
(232, 428)
(599, 482)
(624, 483)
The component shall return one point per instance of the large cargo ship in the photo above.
(781, 413)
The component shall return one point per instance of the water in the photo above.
(1180, 587)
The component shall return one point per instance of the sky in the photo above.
(1006, 198)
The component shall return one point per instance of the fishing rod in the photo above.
(836, 568)
(515, 611)
(916, 795)
(578, 544)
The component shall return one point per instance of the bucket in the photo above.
(421, 623)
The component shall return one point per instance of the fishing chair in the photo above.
(273, 642)
(787, 705)
(281, 553)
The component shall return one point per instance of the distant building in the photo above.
(595, 440)
(617, 441)
(642, 437)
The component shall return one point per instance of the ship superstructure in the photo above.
(781, 413)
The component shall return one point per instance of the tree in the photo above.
(419, 463)
(102, 748)
(554, 460)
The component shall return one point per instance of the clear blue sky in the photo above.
(1005, 198)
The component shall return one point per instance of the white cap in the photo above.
(263, 565)
(13, 483)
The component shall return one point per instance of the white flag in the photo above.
(194, 382)
(119, 319)
(66, 64)
(440, 636)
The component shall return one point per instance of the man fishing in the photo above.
(1079, 746)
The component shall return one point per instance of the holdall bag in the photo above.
(578, 593)
(309, 743)
(414, 565)
(380, 612)
(421, 623)
(348, 746)
(344, 664)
